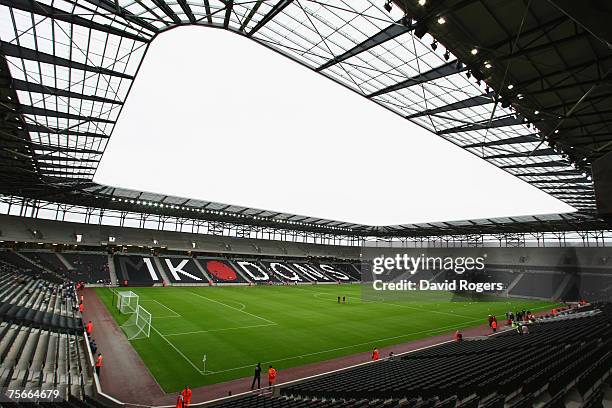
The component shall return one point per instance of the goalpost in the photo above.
(126, 302)
(138, 326)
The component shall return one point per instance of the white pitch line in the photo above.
(162, 305)
(234, 308)
(179, 351)
(218, 330)
(242, 305)
(428, 311)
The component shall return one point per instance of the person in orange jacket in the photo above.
(180, 403)
(81, 307)
(458, 336)
(271, 377)
(99, 363)
(375, 354)
(89, 328)
(186, 393)
(494, 326)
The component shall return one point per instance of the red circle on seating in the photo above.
(221, 270)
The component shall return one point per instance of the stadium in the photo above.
(121, 285)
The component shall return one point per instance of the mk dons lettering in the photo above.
(179, 269)
(253, 270)
(330, 270)
(285, 272)
(310, 272)
(150, 267)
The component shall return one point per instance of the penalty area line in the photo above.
(234, 308)
(222, 329)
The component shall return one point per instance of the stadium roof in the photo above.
(525, 86)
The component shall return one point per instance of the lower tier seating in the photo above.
(38, 303)
(42, 344)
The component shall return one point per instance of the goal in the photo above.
(127, 302)
(138, 326)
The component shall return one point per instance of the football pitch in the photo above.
(287, 326)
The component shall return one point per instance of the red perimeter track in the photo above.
(126, 378)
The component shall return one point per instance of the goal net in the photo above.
(126, 302)
(138, 326)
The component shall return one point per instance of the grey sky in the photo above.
(218, 117)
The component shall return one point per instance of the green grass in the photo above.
(238, 326)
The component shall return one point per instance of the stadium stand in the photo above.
(221, 271)
(92, 235)
(335, 273)
(350, 269)
(76, 266)
(182, 270)
(87, 266)
(42, 345)
(48, 260)
(38, 303)
(256, 272)
(311, 272)
(283, 271)
(14, 261)
(596, 286)
(543, 284)
(137, 270)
